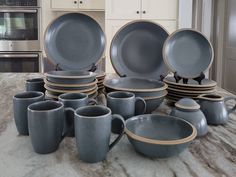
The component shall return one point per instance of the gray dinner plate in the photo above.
(136, 50)
(74, 41)
(188, 52)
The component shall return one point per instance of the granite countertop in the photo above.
(212, 155)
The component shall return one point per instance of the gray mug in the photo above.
(20, 103)
(35, 84)
(74, 101)
(92, 132)
(124, 104)
(46, 121)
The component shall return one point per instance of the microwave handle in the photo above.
(18, 10)
(18, 55)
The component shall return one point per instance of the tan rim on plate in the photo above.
(191, 88)
(71, 91)
(190, 91)
(70, 85)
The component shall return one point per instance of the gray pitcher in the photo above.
(214, 108)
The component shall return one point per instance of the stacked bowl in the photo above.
(100, 77)
(179, 90)
(60, 82)
(151, 90)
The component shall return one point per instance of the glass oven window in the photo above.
(19, 64)
(19, 25)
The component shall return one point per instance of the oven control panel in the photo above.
(20, 3)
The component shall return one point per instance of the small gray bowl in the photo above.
(159, 136)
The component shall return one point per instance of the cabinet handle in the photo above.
(144, 12)
(81, 2)
(137, 12)
(75, 2)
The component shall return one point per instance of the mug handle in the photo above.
(231, 109)
(92, 102)
(144, 105)
(116, 116)
(69, 114)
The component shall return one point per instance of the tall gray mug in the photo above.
(92, 132)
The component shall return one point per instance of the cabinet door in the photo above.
(112, 26)
(123, 9)
(64, 4)
(160, 9)
(170, 25)
(92, 4)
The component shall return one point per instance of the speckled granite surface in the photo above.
(213, 155)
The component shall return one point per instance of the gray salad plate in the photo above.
(70, 77)
(136, 50)
(74, 41)
(188, 52)
(160, 136)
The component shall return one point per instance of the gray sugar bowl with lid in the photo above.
(189, 110)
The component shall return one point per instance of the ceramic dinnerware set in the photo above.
(143, 54)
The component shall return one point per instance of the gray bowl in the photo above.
(153, 103)
(141, 87)
(159, 136)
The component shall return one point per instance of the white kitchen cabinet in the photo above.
(160, 9)
(92, 4)
(64, 4)
(123, 9)
(145, 9)
(67, 5)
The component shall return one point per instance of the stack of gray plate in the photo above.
(59, 82)
(192, 90)
(152, 91)
(100, 77)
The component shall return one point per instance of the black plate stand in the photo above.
(93, 67)
(185, 81)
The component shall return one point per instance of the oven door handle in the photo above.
(18, 10)
(18, 55)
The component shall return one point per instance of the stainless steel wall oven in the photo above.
(20, 34)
